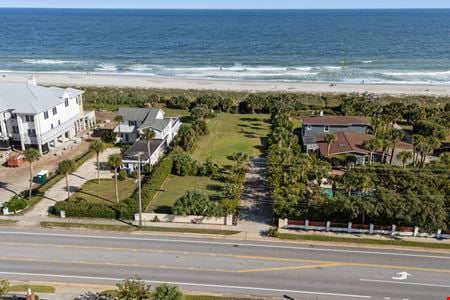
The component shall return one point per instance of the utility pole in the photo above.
(139, 188)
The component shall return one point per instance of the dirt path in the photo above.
(256, 209)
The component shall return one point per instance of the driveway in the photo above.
(16, 180)
(256, 207)
(85, 172)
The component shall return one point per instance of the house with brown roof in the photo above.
(348, 143)
(321, 125)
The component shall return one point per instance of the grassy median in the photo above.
(132, 228)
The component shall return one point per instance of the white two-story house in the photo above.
(40, 117)
(135, 121)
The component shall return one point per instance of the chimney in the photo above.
(321, 113)
(32, 80)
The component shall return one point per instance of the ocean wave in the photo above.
(416, 73)
(48, 61)
(106, 67)
(366, 61)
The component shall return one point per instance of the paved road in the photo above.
(224, 265)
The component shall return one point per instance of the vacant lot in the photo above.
(230, 133)
(176, 186)
(105, 191)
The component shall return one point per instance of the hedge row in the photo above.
(81, 208)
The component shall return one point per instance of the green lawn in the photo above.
(176, 186)
(105, 191)
(230, 133)
(35, 288)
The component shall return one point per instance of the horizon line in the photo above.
(168, 8)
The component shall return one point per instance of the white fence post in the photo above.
(439, 234)
(327, 228)
(393, 230)
(371, 227)
(306, 224)
(349, 227)
(416, 231)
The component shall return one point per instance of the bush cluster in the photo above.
(16, 203)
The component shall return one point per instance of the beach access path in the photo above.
(146, 81)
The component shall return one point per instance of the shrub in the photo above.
(272, 232)
(167, 292)
(183, 164)
(109, 136)
(133, 288)
(124, 148)
(122, 175)
(16, 203)
(196, 203)
(180, 102)
(80, 208)
(134, 174)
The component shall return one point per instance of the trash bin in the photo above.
(41, 177)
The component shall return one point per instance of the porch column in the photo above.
(21, 134)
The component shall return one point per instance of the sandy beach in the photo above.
(144, 81)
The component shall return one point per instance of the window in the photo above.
(309, 127)
(13, 116)
(15, 129)
(326, 128)
(31, 132)
(78, 100)
(51, 125)
(132, 123)
(59, 122)
(45, 115)
(66, 102)
(29, 118)
(54, 111)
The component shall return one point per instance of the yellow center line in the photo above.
(291, 268)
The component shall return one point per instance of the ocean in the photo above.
(375, 46)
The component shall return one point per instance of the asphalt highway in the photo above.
(289, 270)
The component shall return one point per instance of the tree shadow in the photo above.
(214, 187)
(245, 119)
(163, 209)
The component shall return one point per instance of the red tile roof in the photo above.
(334, 120)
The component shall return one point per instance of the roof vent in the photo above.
(321, 113)
(32, 80)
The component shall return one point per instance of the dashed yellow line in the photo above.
(291, 268)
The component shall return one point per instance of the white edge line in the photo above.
(221, 243)
(406, 283)
(190, 284)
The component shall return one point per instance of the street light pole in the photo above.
(140, 194)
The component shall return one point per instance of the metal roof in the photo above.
(30, 98)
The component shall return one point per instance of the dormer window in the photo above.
(66, 102)
(326, 128)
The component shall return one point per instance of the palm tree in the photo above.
(65, 167)
(31, 155)
(148, 135)
(404, 156)
(98, 146)
(166, 291)
(115, 161)
(372, 146)
(239, 157)
(329, 139)
(417, 139)
(119, 119)
(395, 135)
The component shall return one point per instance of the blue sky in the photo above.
(228, 3)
